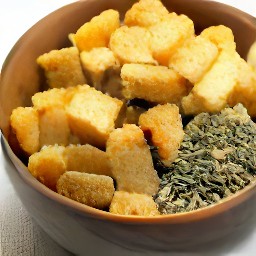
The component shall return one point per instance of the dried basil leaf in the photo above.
(217, 158)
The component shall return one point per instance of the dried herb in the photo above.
(217, 158)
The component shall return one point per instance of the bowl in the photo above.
(83, 230)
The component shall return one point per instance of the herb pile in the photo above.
(217, 158)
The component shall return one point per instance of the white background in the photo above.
(16, 16)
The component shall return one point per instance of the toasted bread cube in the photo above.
(25, 124)
(132, 45)
(145, 13)
(96, 62)
(131, 161)
(169, 35)
(221, 36)
(48, 165)
(251, 56)
(52, 161)
(194, 58)
(52, 97)
(126, 203)
(92, 115)
(165, 126)
(245, 90)
(212, 92)
(53, 121)
(62, 67)
(97, 32)
(86, 158)
(55, 97)
(90, 189)
(54, 127)
(153, 83)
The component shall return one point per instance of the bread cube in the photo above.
(194, 58)
(126, 203)
(52, 97)
(165, 126)
(92, 115)
(132, 45)
(53, 121)
(54, 127)
(96, 62)
(90, 189)
(131, 161)
(62, 67)
(86, 158)
(168, 35)
(25, 124)
(212, 92)
(48, 165)
(97, 32)
(153, 83)
(55, 97)
(221, 36)
(145, 13)
(245, 90)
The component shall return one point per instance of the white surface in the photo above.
(18, 234)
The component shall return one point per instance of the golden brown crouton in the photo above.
(145, 13)
(93, 190)
(245, 90)
(97, 32)
(62, 67)
(194, 58)
(53, 121)
(221, 36)
(152, 83)
(25, 124)
(212, 92)
(165, 126)
(92, 115)
(55, 97)
(126, 203)
(48, 165)
(168, 35)
(52, 97)
(131, 161)
(96, 62)
(54, 127)
(86, 158)
(132, 45)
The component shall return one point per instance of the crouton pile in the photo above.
(85, 140)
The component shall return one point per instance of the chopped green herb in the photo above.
(217, 158)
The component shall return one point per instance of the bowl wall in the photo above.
(76, 227)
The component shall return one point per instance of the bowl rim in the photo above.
(195, 215)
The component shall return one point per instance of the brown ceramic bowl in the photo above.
(87, 231)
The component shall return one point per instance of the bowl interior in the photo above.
(21, 76)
